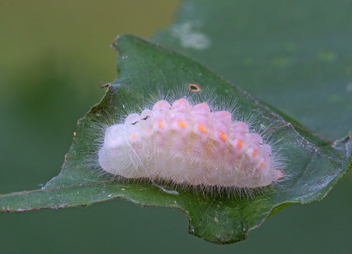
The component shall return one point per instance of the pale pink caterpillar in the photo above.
(187, 144)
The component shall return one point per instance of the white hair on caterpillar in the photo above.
(187, 140)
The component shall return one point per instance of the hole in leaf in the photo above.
(194, 88)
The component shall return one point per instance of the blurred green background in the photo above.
(60, 49)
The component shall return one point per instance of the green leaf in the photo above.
(294, 55)
(313, 164)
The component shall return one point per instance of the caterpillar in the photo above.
(189, 143)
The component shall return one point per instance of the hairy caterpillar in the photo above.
(189, 143)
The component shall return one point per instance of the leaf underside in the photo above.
(313, 164)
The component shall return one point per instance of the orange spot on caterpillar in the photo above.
(261, 165)
(239, 144)
(133, 136)
(181, 124)
(160, 104)
(254, 153)
(222, 136)
(181, 101)
(224, 113)
(202, 129)
(160, 124)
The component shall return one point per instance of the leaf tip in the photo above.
(113, 45)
